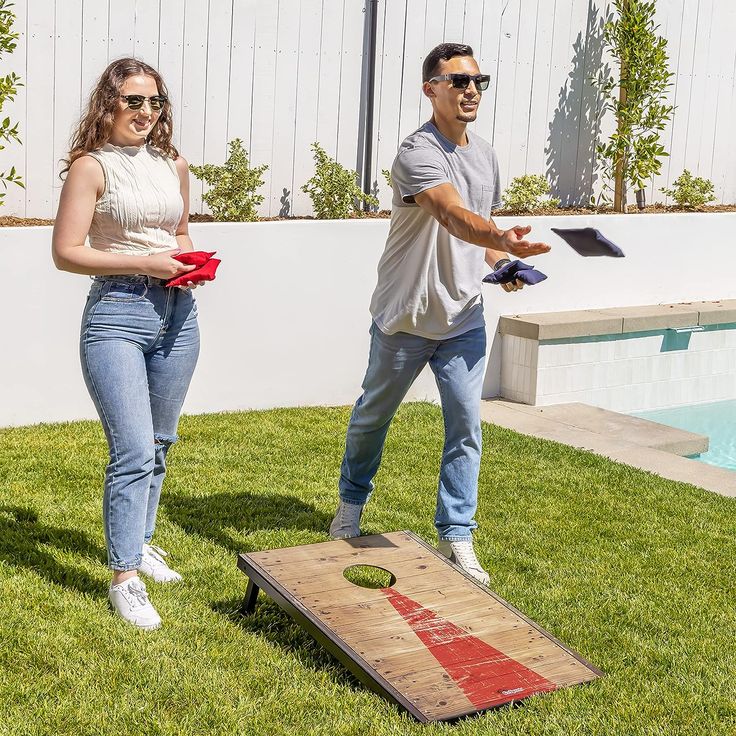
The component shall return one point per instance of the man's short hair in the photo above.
(443, 52)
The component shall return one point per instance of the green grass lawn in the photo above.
(634, 572)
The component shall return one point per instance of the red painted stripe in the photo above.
(486, 675)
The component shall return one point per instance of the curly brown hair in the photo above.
(96, 124)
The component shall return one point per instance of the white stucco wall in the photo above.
(286, 322)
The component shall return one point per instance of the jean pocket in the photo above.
(123, 291)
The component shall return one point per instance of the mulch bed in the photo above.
(12, 221)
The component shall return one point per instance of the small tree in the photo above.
(232, 196)
(525, 194)
(8, 89)
(691, 191)
(333, 189)
(634, 153)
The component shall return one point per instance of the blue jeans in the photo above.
(394, 363)
(139, 344)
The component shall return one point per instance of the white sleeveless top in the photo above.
(141, 205)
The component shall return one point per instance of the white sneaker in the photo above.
(153, 565)
(463, 554)
(129, 600)
(346, 523)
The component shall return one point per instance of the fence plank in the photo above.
(171, 60)
(680, 124)
(146, 33)
(699, 122)
(39, 134)
(523, 81)
(194, 91)
(411, 78)
(724, 150)
(389, 68)
(434, 34)
(667, 20)
(219, 34)
(264, 91)
(570, 129)
(67, 100)
(121, 29)
(307, 104)
(351, 68)
(539, 110)
(284, 110)
(487, 56)
(241, 90)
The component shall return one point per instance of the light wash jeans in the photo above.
(139, 344)
(394, 363)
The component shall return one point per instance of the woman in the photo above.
(127, 188)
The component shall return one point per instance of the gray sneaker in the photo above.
(463, 555)
(154, 565)
(346, 523)
(129, 600)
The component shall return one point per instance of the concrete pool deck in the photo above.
(637, 442)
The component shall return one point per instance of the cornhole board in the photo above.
(436, 642)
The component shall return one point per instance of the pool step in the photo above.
(558, 421)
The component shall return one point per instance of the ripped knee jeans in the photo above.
(139, 345)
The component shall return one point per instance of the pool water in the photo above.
(717, 420)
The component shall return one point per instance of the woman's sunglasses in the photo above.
(135, 102)
(462, 81)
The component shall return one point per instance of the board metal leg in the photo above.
(251, 596)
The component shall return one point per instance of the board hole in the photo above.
(369, 576)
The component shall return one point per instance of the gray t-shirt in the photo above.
(429, 282)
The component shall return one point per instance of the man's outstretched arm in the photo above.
(445, 204)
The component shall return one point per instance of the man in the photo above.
(427, 305)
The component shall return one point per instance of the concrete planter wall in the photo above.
(286, 323)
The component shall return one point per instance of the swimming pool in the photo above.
(717, 420)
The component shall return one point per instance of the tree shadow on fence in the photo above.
(575, 127)
(285, 210)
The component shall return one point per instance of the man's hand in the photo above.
(493, 259)
(513, 285)
(513, 242)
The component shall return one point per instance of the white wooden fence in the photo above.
(281, 74)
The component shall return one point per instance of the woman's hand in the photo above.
(163, 266)
(190, 285)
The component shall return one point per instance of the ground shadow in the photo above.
(24, 543)
(214, 516)
(574, 130)
(270, 623)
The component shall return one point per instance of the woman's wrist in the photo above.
(141, 265)
(500, 263)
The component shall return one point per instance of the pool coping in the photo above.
(617, 320)
(561, 425)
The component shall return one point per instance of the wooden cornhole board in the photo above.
(436, 642)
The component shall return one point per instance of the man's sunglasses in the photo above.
(135, 102)
(462, 81)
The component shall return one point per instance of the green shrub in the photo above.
(389, 179)
(690, 191)
(8, 89)
(525, 192)
(333, 189)
(232, 196)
